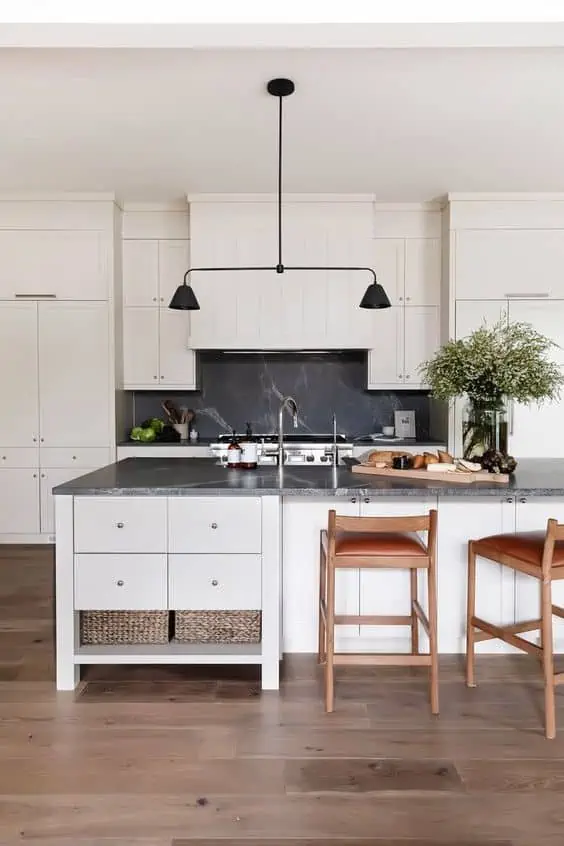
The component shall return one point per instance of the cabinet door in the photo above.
(74, 374)
(389, 265)
(19, 377)
(141, 348)
(532, 514)
(422, 271)
(461, 520)
(49, 479)
(387, 592)
(536, 432)
(492, 264)
(140, 273)
(69, 265)
(19, 502)
(421, 339)
(386, 360)
(177, 363)
(174, 261)
(303, 521)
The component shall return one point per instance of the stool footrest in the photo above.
(371, 620)
(505, 633)
(375, 659)
(557, 611)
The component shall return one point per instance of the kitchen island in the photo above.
(176, 534)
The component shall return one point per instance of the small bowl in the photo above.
(402, 462)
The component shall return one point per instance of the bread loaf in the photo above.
(430, 458)
(445, 457)
(418, 462)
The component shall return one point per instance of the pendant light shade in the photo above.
(184, 298)
(375, 297)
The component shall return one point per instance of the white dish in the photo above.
(384, 438)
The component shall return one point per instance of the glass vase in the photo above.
(484, 427)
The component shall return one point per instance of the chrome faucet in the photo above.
(291, 404)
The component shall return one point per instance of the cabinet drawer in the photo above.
(120, 582)
(214, 524)
(69, 457)
(120, 524)
(214, 582)
(16, 457)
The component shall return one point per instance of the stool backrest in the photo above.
(554, 532)
(373, 525)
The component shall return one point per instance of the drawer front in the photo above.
(214, 582)
(120, 524)
(120, 582)
(19, 458)
(214, 524)
(80, 457)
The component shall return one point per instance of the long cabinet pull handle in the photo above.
(531, 296)
(35, 296)
(511, 415)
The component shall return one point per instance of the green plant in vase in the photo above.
(495, 364)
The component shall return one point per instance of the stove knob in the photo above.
(310, 458)
(323, 457)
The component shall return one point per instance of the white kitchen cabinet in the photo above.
(389, 264)
(472, 314)
(74, 374)
(421, 340)
(120, 524)
(19, 375)
(532, 514)
(495, 586)
(120, 582)
(174, 261)
(140, 273)
(303, 520)
(177, 362)
(140, 348)
(213, 525)
(68, 265)
(422, 271)
(406, 337)
(385, 361)
(387, 592)
(19, 501)
(497, 263)
(536, 431)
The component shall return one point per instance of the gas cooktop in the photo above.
(293, 437)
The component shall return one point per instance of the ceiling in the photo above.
(406, 125)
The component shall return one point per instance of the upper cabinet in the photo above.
(54, 264)
(509, 263)
(157, 347)
(297, 309)
(406, 337)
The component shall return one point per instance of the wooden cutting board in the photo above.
(456, 477)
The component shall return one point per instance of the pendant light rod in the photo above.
(375, 296)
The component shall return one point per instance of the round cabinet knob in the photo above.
(366, 499)
(353, 499)
(3, 458)
(408, 376)
(523, 500)
(400, 299)
(74, 458)
(309, 458)
(214, 525)
(154, 299)
(35, 440)
(120, 583)
(155, 377)
(119, 525)
(41, 439)
(214, 582)
(509, 499)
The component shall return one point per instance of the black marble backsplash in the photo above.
(235, 388)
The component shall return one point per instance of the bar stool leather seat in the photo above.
(383, 544)
(527, 546)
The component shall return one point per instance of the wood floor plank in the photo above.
(368, 776)
(519, 775)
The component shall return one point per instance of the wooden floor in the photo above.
(184, 756)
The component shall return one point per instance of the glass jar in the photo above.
(484, 427)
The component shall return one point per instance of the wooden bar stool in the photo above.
(538, 554)
(378, 543)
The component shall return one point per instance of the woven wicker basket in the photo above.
(117, 627)
(217, 626)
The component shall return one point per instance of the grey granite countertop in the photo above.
(385, 443)
(203, 476)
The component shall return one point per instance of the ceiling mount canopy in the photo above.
(185, 299)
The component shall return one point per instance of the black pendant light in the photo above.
(184, 297)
